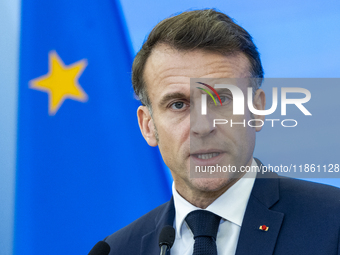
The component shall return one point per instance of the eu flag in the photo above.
(83, 168)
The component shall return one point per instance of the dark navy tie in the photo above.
(204, 226)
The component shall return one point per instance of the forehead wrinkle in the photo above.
(211, 70)
(161, 72)
(234, 68)
(172, 72)
(237, 62)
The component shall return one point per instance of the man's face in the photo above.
(167, 75)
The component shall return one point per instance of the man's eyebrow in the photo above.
(168, 97)
(223, 90)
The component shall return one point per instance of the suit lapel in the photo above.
(150, 240)
(264, 195)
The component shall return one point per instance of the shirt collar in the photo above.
(231, 205)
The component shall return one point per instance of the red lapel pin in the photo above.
(264, 228)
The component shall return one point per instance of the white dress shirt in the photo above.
(230, 206)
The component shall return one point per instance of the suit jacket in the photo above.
(303, 218)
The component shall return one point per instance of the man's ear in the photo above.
(146, 125)
(259, 102)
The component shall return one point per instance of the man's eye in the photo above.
(177, 105)
(224, 99)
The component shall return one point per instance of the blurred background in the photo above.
(69, 179)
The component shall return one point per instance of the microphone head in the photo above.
(101, 248)
(167, 236)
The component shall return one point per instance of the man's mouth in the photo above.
(206, 155)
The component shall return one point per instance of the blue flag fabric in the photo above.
(83, 168)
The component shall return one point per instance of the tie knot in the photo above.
(203, 223)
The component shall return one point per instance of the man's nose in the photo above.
(201, 125)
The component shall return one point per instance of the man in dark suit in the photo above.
(235, 213)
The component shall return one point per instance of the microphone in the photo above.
(101, 248)
(166, 239)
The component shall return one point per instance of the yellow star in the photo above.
(61, 82)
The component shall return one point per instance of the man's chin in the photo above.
(213, 184)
